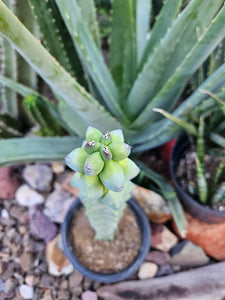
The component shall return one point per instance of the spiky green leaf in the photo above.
(20, 150)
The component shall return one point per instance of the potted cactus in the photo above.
(102, 174)
(198, 171)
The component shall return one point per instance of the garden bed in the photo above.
(31, 220)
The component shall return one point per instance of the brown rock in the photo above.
(46, 281)
(8, 183)
(153, 204)
(26, 261)
(47, 295)
(58, 167)
(158, 257)
(75, 279)
(210, 237)
(162, 238)
(63, 295)
(58, 264)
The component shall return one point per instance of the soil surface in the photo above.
(187, 176)
(111, 256)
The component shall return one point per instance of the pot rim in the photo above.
(143, 223)
(203, 212)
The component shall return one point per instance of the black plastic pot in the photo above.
(113, 277)
(193, 207)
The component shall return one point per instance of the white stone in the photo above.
(25, 196)
(26, 291)
(54, 270)
(4, 214)
(147, 270)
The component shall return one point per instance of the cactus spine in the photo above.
(104, 184)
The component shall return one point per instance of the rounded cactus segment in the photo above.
(93, 134)
(106, 139)
(74, 180)
(119, 150)
(93, 164)
(89, 187)
(105, 153)
(76, 159)
(117, 135)
(92, 146)
(112, 176)
(130, 169)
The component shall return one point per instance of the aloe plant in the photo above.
(103, 174)
(148, 67)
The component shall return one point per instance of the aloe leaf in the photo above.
(169, 194)
(74, 122)
(21, 150)
(217, 139)
(16, 87)
(143, 15)
(123, 58)
(89, 16)
(164, 20)
(56, 37)
(90, 55)
(170, 92)
(188, 127)
(164, 130)
(47, 67)
(158, 63)
(8, 98)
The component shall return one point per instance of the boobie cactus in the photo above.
(103, 174)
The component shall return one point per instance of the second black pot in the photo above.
(193, 207)
(145, 244)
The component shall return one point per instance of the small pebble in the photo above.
(4, 213)
(26, 291)
(147, 270)
(38, 176)
(89, 295)
(25, 196)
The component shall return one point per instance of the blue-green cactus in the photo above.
(103, 174)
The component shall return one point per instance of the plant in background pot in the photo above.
(112, 243)
(198, 168)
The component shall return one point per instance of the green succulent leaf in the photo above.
(143, 15)
(21, 150)
(163, 22)
(93, 164)
(47, 67)
(90, 188)
(112, 176)
(76, 159)
(169, 194)
(90, 54)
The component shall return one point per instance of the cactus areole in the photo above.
(102, 174)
